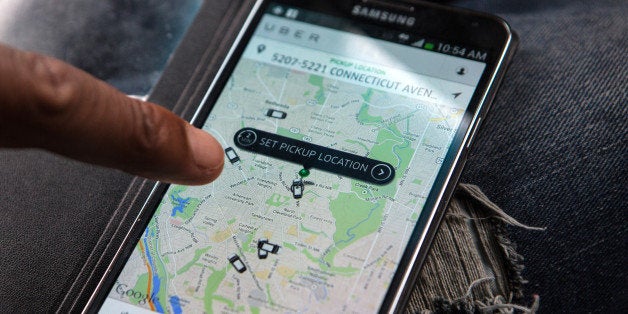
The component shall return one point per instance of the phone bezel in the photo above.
(480, 30)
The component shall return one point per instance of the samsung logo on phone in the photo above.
(382, 16)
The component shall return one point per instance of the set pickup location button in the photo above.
(314, 156)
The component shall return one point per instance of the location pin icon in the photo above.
(261, 48)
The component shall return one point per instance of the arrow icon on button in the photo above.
(457, 94)
(382, 172)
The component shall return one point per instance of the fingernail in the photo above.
(207, 151)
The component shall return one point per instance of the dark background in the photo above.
(551, 153)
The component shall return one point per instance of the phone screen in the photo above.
(334, 134)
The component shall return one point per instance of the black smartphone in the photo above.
(345, 125)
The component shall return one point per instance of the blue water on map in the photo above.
(176, 305)
(156, 281)
(179, 203)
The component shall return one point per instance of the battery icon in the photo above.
(429, 46)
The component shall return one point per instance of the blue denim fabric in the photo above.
(554, 147)
(125, 43)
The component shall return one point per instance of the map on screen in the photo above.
(329, 161)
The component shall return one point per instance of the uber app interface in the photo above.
(332, 143)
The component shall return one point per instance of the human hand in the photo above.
(46, 103)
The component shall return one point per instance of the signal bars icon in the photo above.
(419, 43)
(422, 44)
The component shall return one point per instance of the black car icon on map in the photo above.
(262, 254)
(232, 155)
(236, 262)
(264, 245)
(297, 188)
(276, 114)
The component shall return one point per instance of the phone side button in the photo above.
(475, 130)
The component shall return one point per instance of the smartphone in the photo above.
(345, 125)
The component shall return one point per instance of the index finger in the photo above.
(46, 103)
